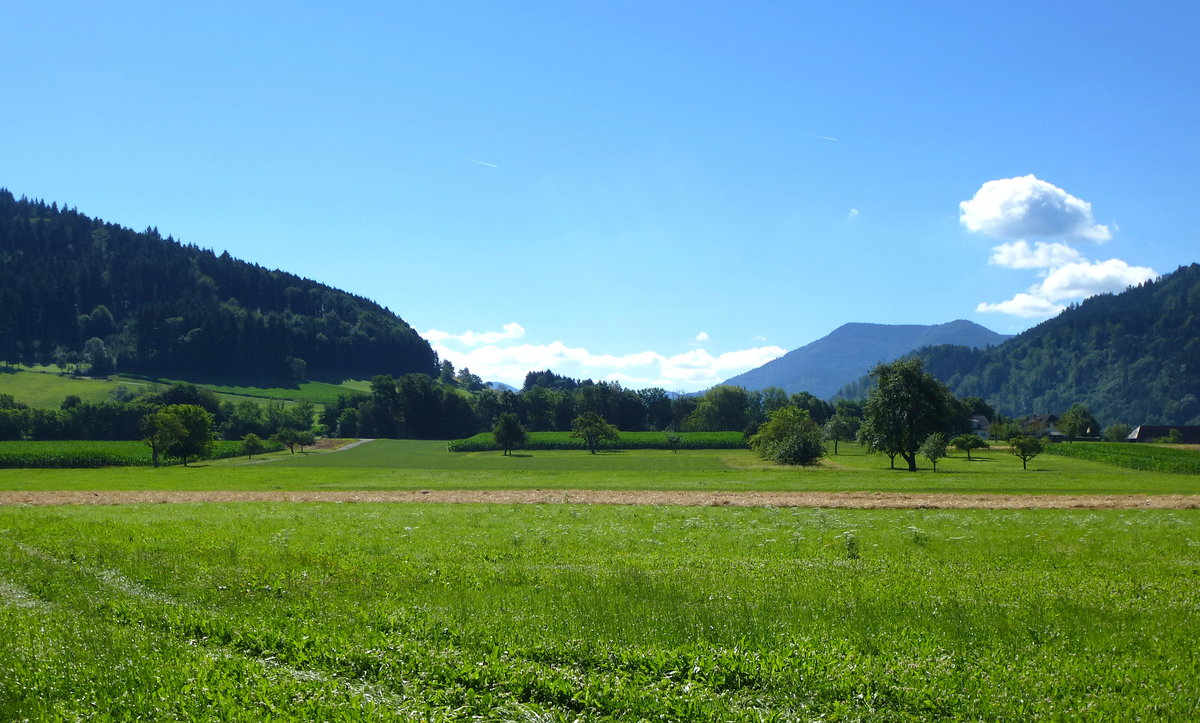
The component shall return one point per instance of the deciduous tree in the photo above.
(592, 429)
(967, 443)
(509, 433)
(1026, 448)
(934, 448)
(905, 407)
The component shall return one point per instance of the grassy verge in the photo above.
(210, 612)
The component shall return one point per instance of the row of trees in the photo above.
(122, 417)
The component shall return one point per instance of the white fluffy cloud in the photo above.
(1084, 279)
(688, 371)
(1027, 306)
(511, 330)
(1028, 207)
(702, 336)
(1070, 282)
(1019, 255)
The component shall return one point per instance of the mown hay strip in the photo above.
(857, 500)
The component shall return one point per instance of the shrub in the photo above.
(790, 436)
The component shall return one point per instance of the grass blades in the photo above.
(209, 612)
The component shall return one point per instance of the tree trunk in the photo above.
(912, 461)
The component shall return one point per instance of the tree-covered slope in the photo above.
(849, 351)
(115, 299)
(1132, 357)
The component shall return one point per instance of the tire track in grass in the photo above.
(20, 597)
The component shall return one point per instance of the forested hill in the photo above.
(849, 351)
(110, 298)
(1132, 357)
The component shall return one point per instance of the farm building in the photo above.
(981, 426)
(1151, 432)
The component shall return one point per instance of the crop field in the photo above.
(207, 612)
(1178, 459)
(86, 454)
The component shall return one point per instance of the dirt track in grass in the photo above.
(857, 500)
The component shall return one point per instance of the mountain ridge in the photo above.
(824, 366)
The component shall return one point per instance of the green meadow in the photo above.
(561, 612)
(46, 387)
(319, 611)
(413, 464)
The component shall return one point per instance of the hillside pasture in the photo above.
(563, 612)
(46, 390)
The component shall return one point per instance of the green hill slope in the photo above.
(96, 295)
(1132, 357)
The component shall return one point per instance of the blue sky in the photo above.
(658, 193)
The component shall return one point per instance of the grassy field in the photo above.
(335, 612)
(411, 464)
(45, 388)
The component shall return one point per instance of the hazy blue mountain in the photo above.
(849, 352)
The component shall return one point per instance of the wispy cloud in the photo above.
(511, 330)
(483, 163)
(825, 138)
(688, 371)
(853, 213)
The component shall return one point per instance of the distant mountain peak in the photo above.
(849, 351)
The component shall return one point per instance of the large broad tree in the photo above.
(906, 406)
(592, 429)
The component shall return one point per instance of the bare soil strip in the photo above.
(856, 500)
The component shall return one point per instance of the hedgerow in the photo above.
(485, 442)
